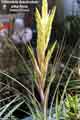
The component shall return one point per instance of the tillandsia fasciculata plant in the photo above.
(41, 61)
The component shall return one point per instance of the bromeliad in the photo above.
(40, 63)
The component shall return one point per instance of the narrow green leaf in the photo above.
(34, 61)
(44, 8)
(49, 53)
(57, 109)
(8, 105)
(11, 111)
(49, 27)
